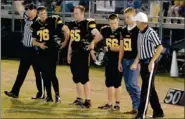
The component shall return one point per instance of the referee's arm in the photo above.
(153, 37)
(135, 64)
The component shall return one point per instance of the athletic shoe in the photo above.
(138, 117)
(58, 99)
(49, 99)
(78, 101)
(158, 115)
(116, 108)
(133, 112)
(86, 104)
(105, 107)
(10, 94)
(38, 96)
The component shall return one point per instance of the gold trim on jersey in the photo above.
(112, 36)
(92, 25)
(59, 22)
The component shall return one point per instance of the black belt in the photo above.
(145, 60)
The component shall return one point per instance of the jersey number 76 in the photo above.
(43, 34)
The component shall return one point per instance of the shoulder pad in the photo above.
(72, 21)
(106, 26)
(125, 26)
(55, 16)
(90, 19)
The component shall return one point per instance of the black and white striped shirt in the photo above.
(148, 40)
(27, 38)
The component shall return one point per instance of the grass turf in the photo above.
(24, 107)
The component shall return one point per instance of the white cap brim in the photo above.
(134, 18)
(141, 17)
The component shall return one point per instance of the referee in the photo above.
(29, 56)
(149, 49)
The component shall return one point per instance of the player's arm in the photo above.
(66, 31)
(97, 37)
(135, 64)
(69, 53)
(115, 49)
(38, 44)
(34, 42)
(20, 8)
(121, 54)
(121, 51)
(94, 31)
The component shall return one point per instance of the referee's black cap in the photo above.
(31, 7)
(41, 8)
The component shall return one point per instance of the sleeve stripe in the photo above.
(155, 38)
(25, 16)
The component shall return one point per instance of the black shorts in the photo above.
(80, 67)
(113, 76)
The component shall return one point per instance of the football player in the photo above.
(111, 35)
(127, 55)
(82, 32)
(43, 36)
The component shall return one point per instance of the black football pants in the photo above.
(48, 69)
(28, 58)
(148, 92)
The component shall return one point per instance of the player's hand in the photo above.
(69, 59)
(63, 45)
(93, 55)
(134, 66)
(91, 46)
(43, 46)
(120, 67)
(106, 49)
(151, 66)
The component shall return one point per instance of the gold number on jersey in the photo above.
(75, 35)
(44, 34)
(111, 42)
(127, 44)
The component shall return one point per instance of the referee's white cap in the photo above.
(141, 17)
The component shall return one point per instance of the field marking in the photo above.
(78, 112)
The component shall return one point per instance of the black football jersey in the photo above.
(45, 31)
(111, 39)
(130, 42)
(80, 34)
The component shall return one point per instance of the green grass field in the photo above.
(24, 107)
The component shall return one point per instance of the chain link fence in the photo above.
(164, 16)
